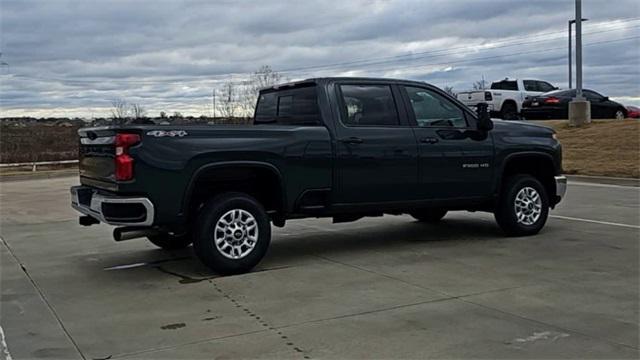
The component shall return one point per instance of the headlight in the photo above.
(554, 136)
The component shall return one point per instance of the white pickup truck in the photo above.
(505, 97)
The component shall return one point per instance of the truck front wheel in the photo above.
(523, 206)
(232, 233)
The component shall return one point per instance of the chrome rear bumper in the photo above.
(561, 186)
(119, 210)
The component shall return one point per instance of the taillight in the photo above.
(551, 100)
(124, 162)
(488, 96)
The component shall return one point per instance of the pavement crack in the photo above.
(184, 279)
(289, 343)
(43, 298)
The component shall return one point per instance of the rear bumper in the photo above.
(112, 209)
(561, 187)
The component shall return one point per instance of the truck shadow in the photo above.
(305, 242)
(388, 237)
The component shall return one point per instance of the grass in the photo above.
(601, 148)
(604, 147)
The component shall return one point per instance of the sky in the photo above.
(73, 58)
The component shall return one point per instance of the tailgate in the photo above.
(97, 153)
(472, 97)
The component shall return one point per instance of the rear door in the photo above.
(376, 153)
(455, 160)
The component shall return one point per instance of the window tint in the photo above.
(592, 95)
(285, 106)
(505, 85)
(433, 109)
(530, 85)
(267, 107)
(566, 93)
(545, 86)
(368, 105)
(289, 107)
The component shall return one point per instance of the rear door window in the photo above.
(530, 85)
(368, 105)
(544, 86)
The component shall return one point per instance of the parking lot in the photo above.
(381, 287)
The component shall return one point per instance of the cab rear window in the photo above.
(297, 106)
(504, 85)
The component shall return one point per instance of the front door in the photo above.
(376, 148)
(455, 160)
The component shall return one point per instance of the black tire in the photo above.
(509, 111)
(226, 205)
(620, 114)
(171, 242)
(506, 213)
(429, 215)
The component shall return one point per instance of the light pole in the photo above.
(571, 22)
(579, 107)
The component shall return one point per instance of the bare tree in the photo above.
(119, 111)
(262, 78)
(480, 84)
(449, 90)
(137, 111)
(227, 104)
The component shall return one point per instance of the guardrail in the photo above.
(34, 165)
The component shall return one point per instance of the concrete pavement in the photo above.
(378, 288)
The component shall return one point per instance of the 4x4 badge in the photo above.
(170, 133)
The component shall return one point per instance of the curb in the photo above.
(605, 180)
(45, 174)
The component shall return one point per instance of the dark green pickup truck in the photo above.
(332, 147)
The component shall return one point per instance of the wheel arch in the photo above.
(540, 165)
(510, 101)
(242, 176)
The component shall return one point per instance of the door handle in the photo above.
(429, 140)
(352, 140)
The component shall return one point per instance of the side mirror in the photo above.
(606, 98)
(484, 121)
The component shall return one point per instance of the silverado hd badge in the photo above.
(170, 133)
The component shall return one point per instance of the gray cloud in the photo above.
(74, 57)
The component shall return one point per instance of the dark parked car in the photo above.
(555, 105)
(335, 147)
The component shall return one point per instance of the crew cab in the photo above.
(505, 97)
(343, 148)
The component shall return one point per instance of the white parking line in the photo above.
(4, 350)
(579, 183)
(595, 221)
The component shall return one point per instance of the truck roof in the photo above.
(323, 80)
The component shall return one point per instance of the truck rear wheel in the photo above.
(429, 215)
(523, 206)
(509, 111)
(170, 242)
(232, 233)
